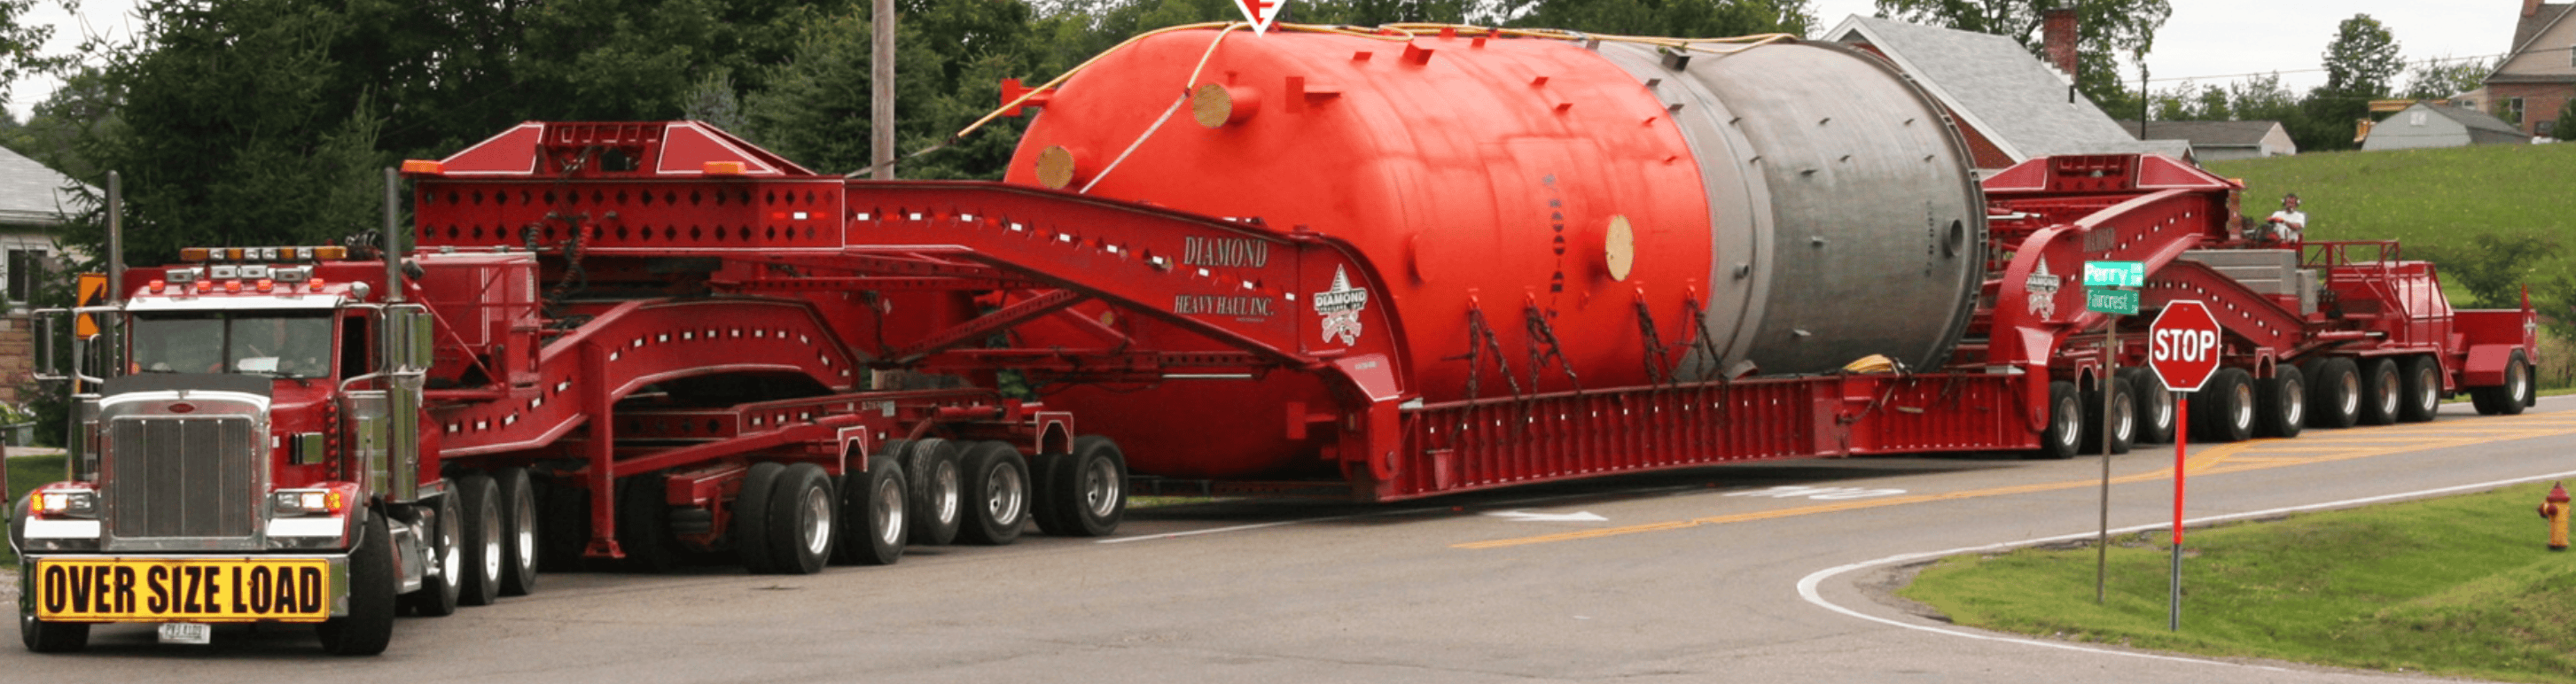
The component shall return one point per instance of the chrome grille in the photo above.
(182, 477)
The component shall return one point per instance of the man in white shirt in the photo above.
(2289, 222)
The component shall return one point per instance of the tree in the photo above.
(2565, 129)
(2106, 30)
(2362, 64)
(20, 46)
(1675, 18)
(952, 55)
(2363, 59)
(2442, 78)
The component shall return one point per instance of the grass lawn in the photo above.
(2435, 201)
(2459, 586)
(2430, 198)
(25, 474)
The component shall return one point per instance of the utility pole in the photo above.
(881, 91)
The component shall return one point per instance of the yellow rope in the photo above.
(1399, 32)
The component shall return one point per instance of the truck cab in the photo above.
(249, 452)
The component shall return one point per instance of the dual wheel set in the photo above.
(794, 518)
(2233, 406)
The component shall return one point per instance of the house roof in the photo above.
(1996, 86)
(2530, 27)
(31, 193)
(2209, 133)
(2475, 120)
(2527, 32)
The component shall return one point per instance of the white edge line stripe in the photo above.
(1807, 586)
(1370, 514)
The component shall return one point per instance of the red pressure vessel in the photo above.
(1813, 202)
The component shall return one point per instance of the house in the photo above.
(2429, 124)
(2222, 140)
(33, 199)
(2009, 105)
(2538, 74)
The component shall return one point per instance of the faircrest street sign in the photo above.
(2182, 346)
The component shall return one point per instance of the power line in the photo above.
(2414, 63)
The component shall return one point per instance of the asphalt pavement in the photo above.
(1756, 572)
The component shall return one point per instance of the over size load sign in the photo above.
(2182, 346)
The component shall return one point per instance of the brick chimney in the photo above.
(2530, 7)
(2057, 32)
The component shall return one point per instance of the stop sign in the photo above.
(2182, 345)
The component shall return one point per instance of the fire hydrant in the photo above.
(2554, 508)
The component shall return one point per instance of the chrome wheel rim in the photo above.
(887, 514)
(491, 543)
(2351, 395)
(1005, 494)
(2243, 415)
(2294, 404)
(1100, 487)
(2517, 382)
(2431, 398)
(818, 525)
(2124, 422)
(2387, 397)
(524, 531)
(946, 499)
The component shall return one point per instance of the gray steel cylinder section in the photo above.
(1877, 224)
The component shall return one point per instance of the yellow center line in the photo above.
(2221, 459)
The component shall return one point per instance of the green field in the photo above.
(2426, 198)
(2458, 586)
(25, 474)
(2437, 202)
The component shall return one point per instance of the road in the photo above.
(1693, 576)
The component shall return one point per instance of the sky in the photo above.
(2211, 40)
(2205, 40)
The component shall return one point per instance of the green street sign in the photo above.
(2122, 302)
(2115, 274)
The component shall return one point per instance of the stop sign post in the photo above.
(2182, 347)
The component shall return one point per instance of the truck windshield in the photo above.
(272, 343)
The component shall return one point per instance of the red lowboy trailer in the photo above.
(640, 340)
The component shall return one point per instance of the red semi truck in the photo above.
(633, 342)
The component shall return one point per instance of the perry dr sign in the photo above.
(2182, 345)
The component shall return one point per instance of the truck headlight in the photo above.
(66, 500)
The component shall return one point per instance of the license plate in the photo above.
(183, 589)
(187, 633)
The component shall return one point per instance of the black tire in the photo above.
(517, 497)
(644, 525)
(2511, 397)
(873, 511)
(997, 493)
(2123, 422)
(482, 534)
(2334, 392)
(2383, 388)
(1092, 481)
(750, 529)
(563, 527)
(1045, 489)
(2283, 399)
(802, 509)
(42, 636)
(938, 491)
(441, 587)
(369, 626)
(46, 636)
(2223, 410)
(2064, 436)
(2154, 406)
(2423, 387)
